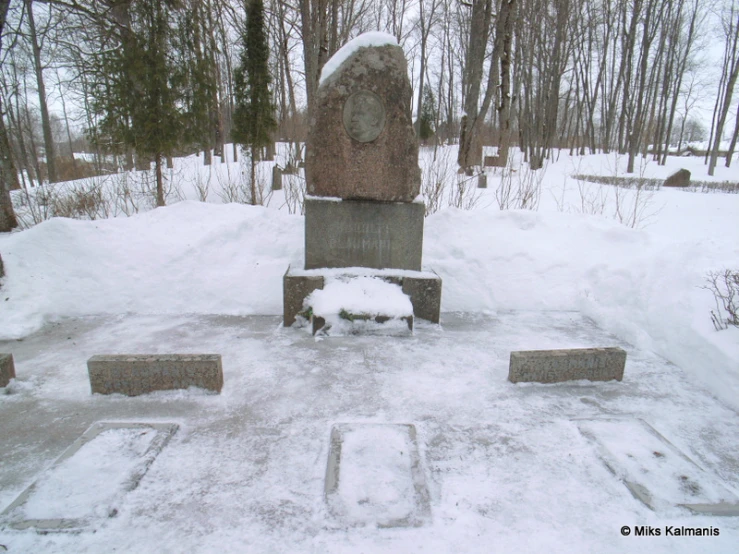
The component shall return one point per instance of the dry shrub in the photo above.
(725, 288)
(84, 200)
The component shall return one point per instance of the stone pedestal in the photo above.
(363, 234)
(422, 287)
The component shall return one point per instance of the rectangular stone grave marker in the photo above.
(134, 374)
(276, 178)
(7, 369)
(656, 472)
(555, 366)
(90, 479)
(374, 476)
(493, 161)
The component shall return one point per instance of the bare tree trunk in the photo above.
(16, 124)
(504, 33)
(627, 58)
(469, 146)
(160, 181)
(31, 136)
(66, 125)
(45, 122)
(731, 70)
(8, 173)
(425, 21)
(635, 125)
(734, 137)
(216, 116)
(682, 66)
(315, 44)
(253, 175)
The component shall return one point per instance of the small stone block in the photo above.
(555, 366)
(295, 288)
(482, 181)
(425, 295)
(143, 373)
(7, 369)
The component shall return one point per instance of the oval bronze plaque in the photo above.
(364, 116)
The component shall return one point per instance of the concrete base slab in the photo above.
(374, 476)
(656, 472)
(7, 369)
(422, 287)
(88, 481)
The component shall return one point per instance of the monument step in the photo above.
(423, 289)
(360, 305)
(361, 324)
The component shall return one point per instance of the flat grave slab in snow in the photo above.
(654, 471)
(374, 475)
(88, 482)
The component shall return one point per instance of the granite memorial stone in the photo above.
(363, 179)
(361, 144)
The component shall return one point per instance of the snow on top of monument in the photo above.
(363, 295)
(373, 38)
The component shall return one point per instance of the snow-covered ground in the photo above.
(506, 466)
(574, 253)
(164, 280)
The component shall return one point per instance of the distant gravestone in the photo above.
(482, 181)
(276, 178)
(680, 178)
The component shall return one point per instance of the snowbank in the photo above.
(201, 258)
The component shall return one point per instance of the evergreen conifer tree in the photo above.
(138, 100)
(254, 112)
(428, 115)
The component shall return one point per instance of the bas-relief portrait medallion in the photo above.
(364, 116)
